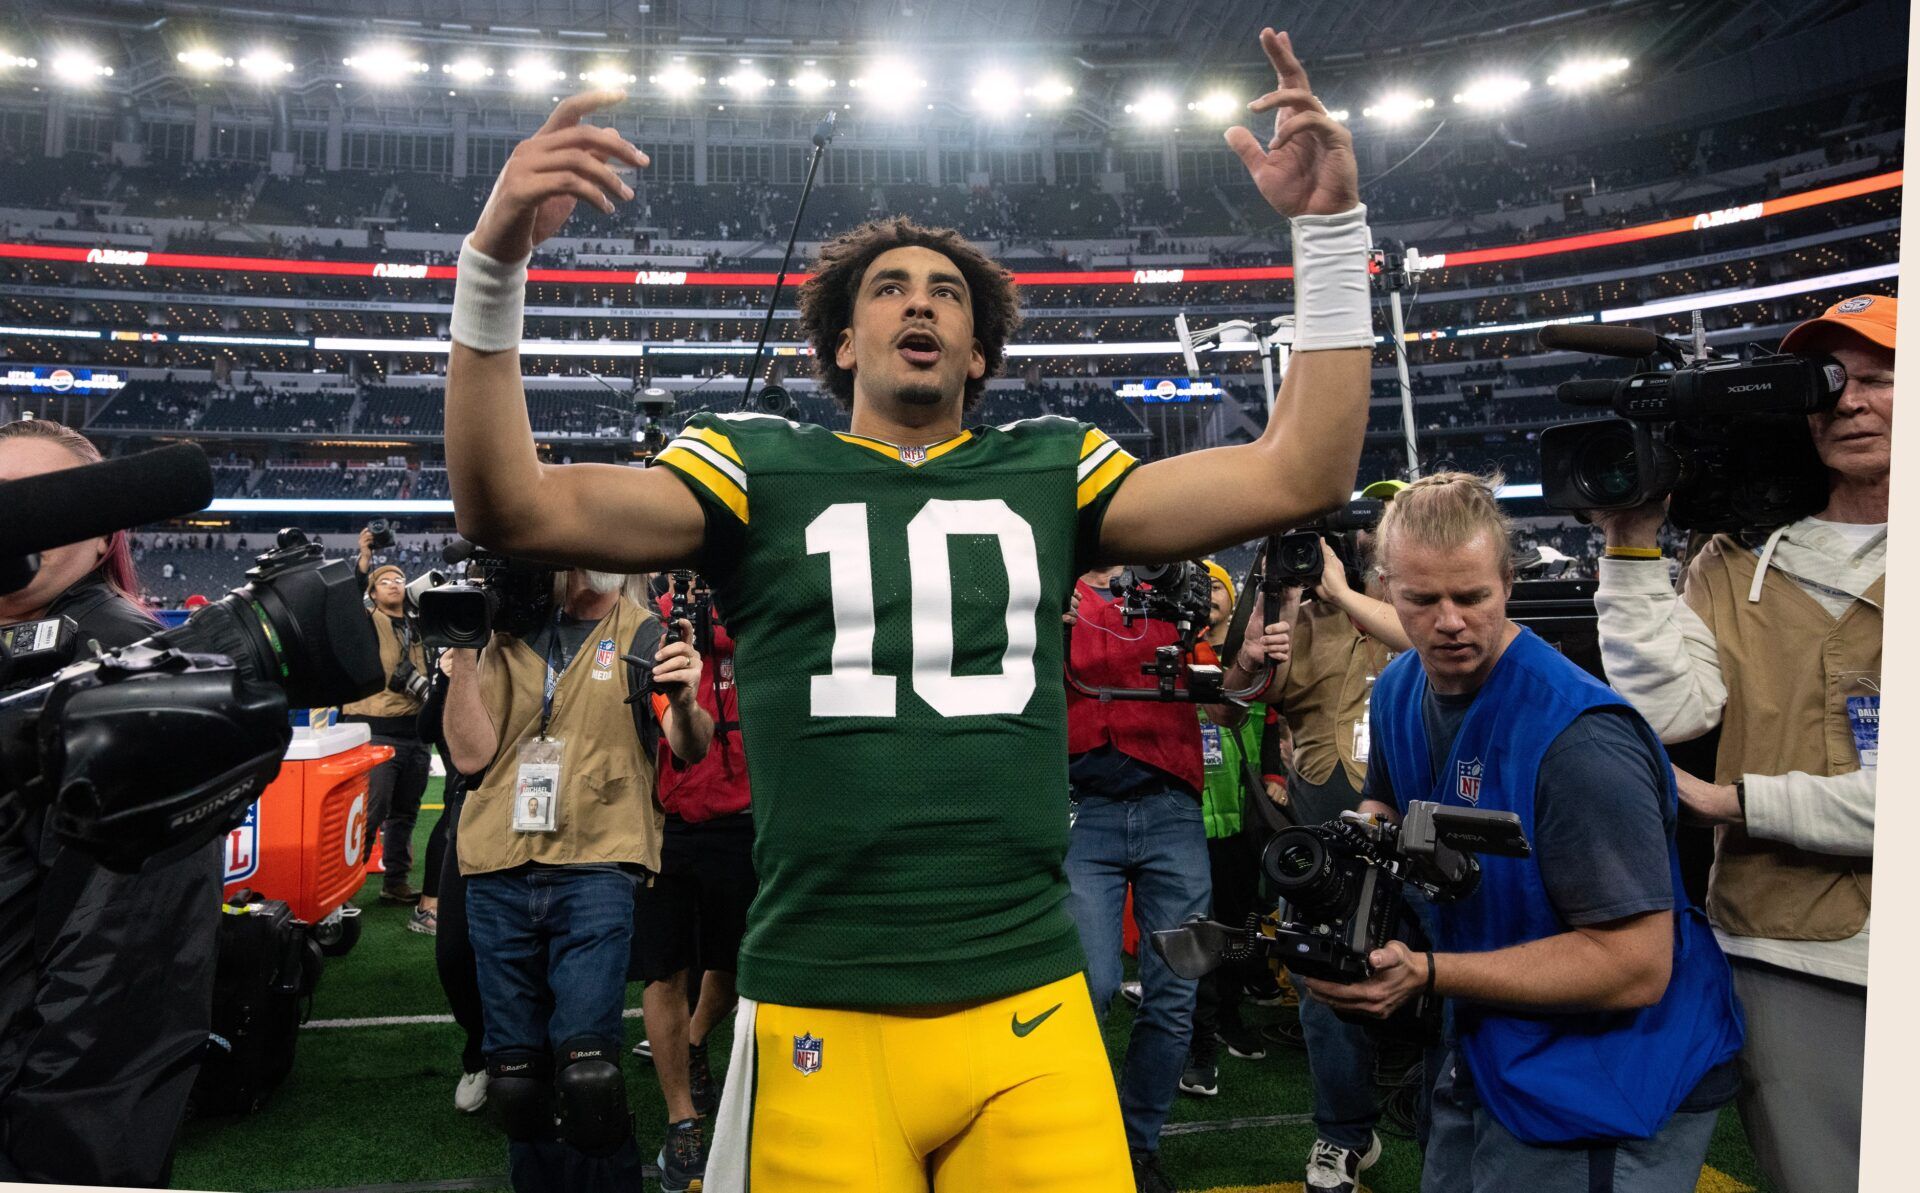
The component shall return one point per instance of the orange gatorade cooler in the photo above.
(305, 839)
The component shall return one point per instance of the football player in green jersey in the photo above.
(913, 1011)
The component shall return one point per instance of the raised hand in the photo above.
(549, 173)
(1307, 168)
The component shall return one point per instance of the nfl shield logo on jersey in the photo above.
(1471, 771)
(913, 455)
(806, 1054)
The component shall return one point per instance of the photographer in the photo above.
(1231, 756)
(1136, 771)
(1594, 1027)
(692, 917)
(1321, 687)
(392, 717)
(551, 840)
(1775, 640)
(106, 979)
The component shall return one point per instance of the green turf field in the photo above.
(373, 1105)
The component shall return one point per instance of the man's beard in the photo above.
(919, 393)
(605, 582)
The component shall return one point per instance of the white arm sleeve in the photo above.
(1658, 653)
(1824, 814)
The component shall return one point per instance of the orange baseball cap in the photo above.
(1869, 316)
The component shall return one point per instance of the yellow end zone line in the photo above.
(1712, 1180)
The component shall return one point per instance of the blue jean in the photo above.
(1158, 843)
(1341, 1059)
(550, 946)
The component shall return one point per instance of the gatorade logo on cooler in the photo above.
(356, 834)
(243, 847)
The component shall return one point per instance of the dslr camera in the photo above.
(495, 595)
(1342, 889)
(152, 750)
(1727, 440)
(1296, 561)
(382, 531)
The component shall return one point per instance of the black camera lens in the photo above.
(1302, 872)
(1607, 466)
(1298, 556)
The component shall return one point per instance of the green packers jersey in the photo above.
(897, 621)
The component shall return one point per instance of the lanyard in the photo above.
(553, 675)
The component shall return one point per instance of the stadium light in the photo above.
(9, 60)
(385, 64)
(1493, 92)
(746, 81)
(1216, 105)
(1052, 90)
(467, 70)
(265, 66)
(890, 83)
(810, 82)
(203, 59)
(1154, 107)
(79, 67)
(1339, 114)
(534, 73)
(1585, 72)
(610, 75)
(996, 93)
(1396, 108)
(676, 79)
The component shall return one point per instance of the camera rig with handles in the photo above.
(1342, 887)
(1180, 593)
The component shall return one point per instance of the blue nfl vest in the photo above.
(1553, 1077)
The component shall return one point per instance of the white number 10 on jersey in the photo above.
(852, 688)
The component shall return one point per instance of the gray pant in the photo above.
(1800, 1076)
(1469, 1152)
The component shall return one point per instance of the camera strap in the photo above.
(553, 674)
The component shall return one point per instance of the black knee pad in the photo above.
(590, 1095)
(520, 1083)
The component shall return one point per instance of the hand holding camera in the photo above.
(676, 667)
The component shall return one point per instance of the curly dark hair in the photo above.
(826, 300)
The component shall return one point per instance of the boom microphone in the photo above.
(74, 504)
(823, 131)
(1600, 339)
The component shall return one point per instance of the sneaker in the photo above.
(471, 1094)
(1285, 1031)
(1337, 1169)
(706, 1097)
(644, 1050)
(1131, 992)
(1201, 1078)
(423, 921)
(683, 1158)
(1242, 1041)
(1148, 1176)
(399, 893)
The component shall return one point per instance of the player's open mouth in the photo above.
(920, 348)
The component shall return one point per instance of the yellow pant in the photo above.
(998, 1097)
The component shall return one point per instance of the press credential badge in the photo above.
(536, 789)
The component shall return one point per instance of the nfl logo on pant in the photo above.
(806, 1054)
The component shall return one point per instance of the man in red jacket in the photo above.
(1136, 772)
(693, 915)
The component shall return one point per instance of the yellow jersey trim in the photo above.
(892, 450)
(707, 477)
(1103, 478)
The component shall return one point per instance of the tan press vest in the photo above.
(1326, 691)
(607, 810)
(1784, 658)
(384, 703)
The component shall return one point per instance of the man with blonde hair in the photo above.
(1594, 1027)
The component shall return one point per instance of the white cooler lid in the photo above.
(308, 743)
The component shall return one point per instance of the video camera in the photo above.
(1296, 558)
(1342, 888)
(152, 750)
(1727, 439)
(495, 595)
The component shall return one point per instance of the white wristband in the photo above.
(1332, 300)
(489, 297)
